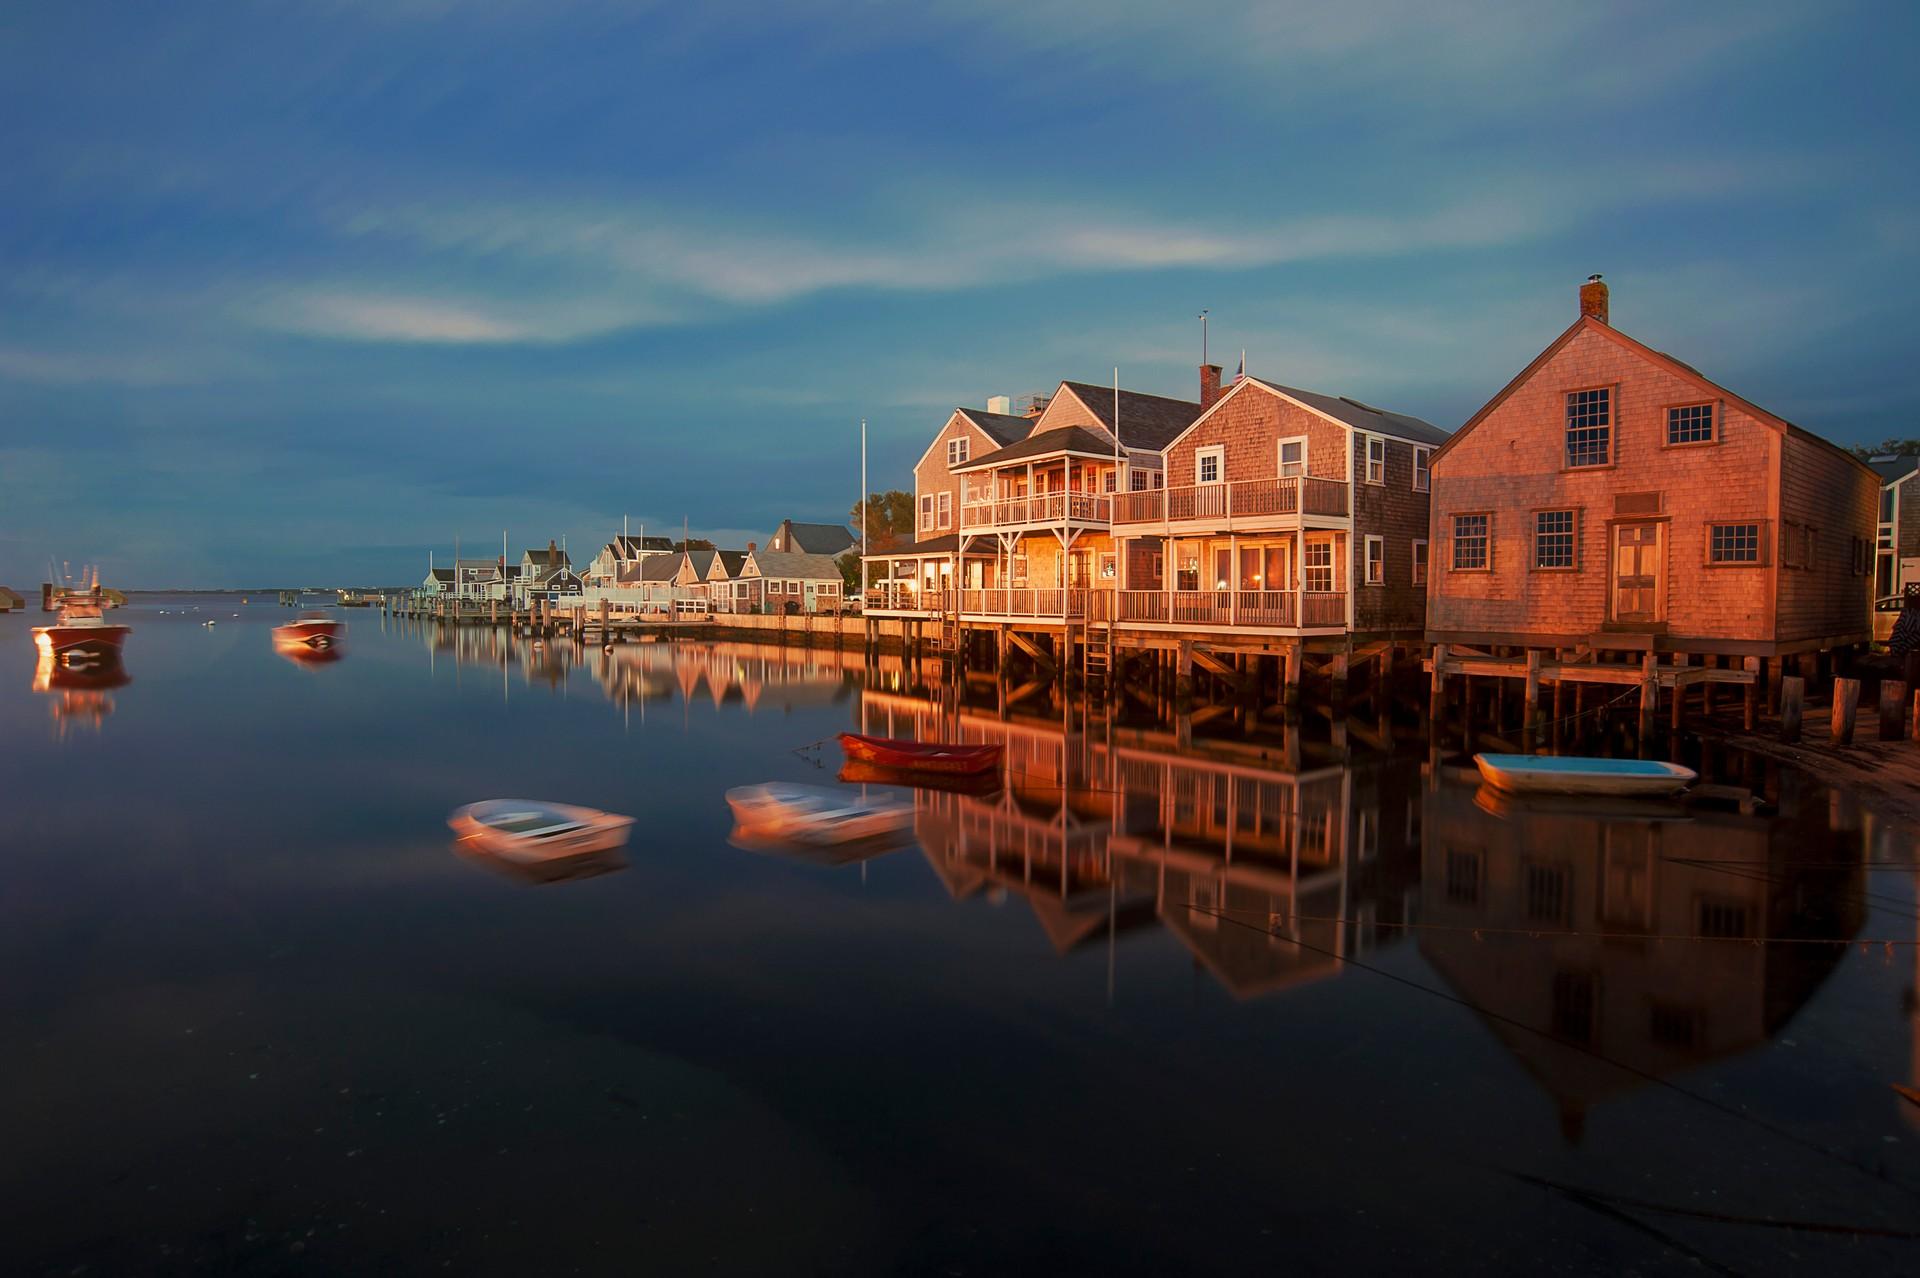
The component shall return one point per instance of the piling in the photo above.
(1793, 697)
(1893, 709)
(1846, 701)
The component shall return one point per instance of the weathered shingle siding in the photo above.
(932, 477)
(1907, 498)
(1066, 409)
(1250, 427)
(1840, 501)
(1397, 514)
(1510, 465)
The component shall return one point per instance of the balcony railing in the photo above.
(901, 596)
(1073, 603)
(1243, 499)
(1046, 508)
(1286, 608)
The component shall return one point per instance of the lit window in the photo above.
(956, 451)
(1419, 563)
(1422, 476)
(1553, 539)
(1376, 561)
(1589, 428)
(1690, 424)
(1318, 565)
(1208, 465)
(1734, 544)
(1469, 542)
(1376, 460)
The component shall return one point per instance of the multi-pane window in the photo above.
(1020, 567)
(1376, 460)
(1137, 481)
(1419, 563)
(956, 451)
(1317, 564)
(1553, 539)
(1690, 424)
(1293, 458)
(1208, 465)
(1376, 561)
(1469, 542)
(1422, 477)
(1589, 427)
(926, 513)
(1734, 544)
(944, 517)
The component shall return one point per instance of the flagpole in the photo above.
(865, 515)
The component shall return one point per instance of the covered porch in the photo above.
(1284, 581)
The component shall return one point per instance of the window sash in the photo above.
(1317, 567)
(1690, 424)
(1472, 542)
(1422, 475)
(1376, 460)
(1376, 559)
(1419, 563)
(1209, 459)
(1298, 465)
(1554, 542)
(1733, 543)
(1589, 440)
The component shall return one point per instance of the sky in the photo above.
(296, 291)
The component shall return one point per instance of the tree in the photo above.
(1886, 447)
(694, 543)
(849, 566)
(891, 516)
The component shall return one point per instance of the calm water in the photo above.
(1147, 1011)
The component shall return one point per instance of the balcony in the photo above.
(1283, 609)
(1046, 508)
(905, 597)
(1073, 604)
(1247, 499)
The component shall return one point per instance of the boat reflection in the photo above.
(823, 854)
(79, 680)
(307, 655)
(584, 865)
(1605, 945)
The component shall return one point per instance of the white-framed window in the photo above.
(1210, 465)
(1471, 542)
(926, 512)
(1159, 480)
(1107, 484)
(1376, 549)
(1020, 567)
(1419, 563)
(943, 515)
(1109, 566)
(1689, 424)
(956, 451)
(1316, 565)
(1376, 460)
(1137, 481)
(1553, 539)
(1293, 457)
(1422, 473)
(1589, 428)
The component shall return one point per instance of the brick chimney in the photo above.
(1209, 385)
(751, 548)
(1593, 299)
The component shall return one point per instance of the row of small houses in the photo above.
(796, 571)
(1609, 497)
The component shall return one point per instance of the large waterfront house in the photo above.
(1611, 497)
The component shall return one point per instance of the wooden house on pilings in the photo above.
(1612, 517)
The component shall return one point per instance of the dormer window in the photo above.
(1210, 465)
(956, 452)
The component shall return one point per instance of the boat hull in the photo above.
(920, 756)
(592, 830)
(311, 634)
(61, 639)
(1547, 774)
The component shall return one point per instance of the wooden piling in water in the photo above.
(1793, 697)
(1846, 702)
(1893, 709)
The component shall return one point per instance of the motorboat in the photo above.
(919, 756)
(816, 815)
(81, 626)
(312, 630)
(978, 784)
(533, 830)
(1583, 775)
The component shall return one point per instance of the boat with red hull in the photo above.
(312, 630)
(920, 756)
(80, 627)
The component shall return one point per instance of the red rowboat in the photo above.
(312, 630)
(920, 756)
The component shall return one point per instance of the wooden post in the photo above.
(1436, 699)
(1649, 697)
(1846, 701)
(1793, 696)
(1749, 711)
(1183, 674)
(1893, 710)
(1916, 715)
(1679, 690)
(1531, 710)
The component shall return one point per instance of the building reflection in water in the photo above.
(1604, 946)
(80, 683)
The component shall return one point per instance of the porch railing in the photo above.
(1243, 499)
(901, 596)
(1232, 607)
(1045, 508)
(1021, 601)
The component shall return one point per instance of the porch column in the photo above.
(1233, 572)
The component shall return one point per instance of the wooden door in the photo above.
(1638, 563)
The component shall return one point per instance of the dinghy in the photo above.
(1577, 774)
(919, 756)
(530, 830)
(815, 815)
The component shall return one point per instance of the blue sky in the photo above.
(290, 291)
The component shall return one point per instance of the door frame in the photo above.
(1664, 577)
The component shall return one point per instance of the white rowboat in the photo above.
(532, 830)
(1577, 774)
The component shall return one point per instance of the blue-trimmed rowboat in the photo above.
(1577, 774)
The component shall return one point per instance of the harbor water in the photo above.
(1153, 1006)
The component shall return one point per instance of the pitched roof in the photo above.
(731, 561)
(943, 545)
(626, 547)
(441, 574)
(1375, 421)
(1892, 469)
(655, 568)
(1077, 440)
(702, 560)
(785, 563)
(1146, 421)
(548, 557)
(1678, 368)
(1001, 428)
(814, 539)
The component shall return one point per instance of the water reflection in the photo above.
(79, 681)
(585, 865)
(1605, 946)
